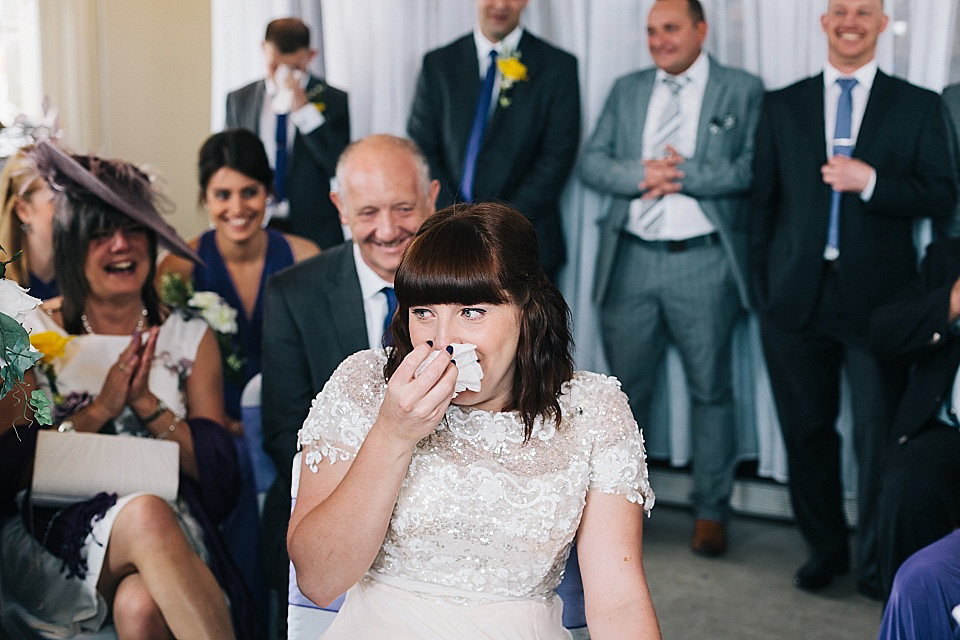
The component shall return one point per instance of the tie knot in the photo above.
(846, 84)
(493, 55)
(675, 84)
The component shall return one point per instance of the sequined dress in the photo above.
(483, 523)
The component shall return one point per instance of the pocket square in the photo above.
(722, 123)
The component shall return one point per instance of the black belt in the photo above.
(676, 246)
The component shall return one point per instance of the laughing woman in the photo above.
(127, 368)
(239, 253)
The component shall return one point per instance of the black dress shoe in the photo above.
(818, 574)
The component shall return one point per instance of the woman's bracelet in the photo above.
(156, 412)
(169, 430)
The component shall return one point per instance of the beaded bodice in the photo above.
(481, 513)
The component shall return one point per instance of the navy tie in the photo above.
(842, 146)
(280, 177)
(476, 132)
(388, 320)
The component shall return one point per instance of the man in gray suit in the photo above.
(321, 310)
(673, 146)
(304, 125)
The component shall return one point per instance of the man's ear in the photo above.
(335, 198)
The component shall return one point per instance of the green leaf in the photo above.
(41, 407)
(16, 352)
(174, 290)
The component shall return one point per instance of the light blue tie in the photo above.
(842, 146)
(388, 319)
(476, 131)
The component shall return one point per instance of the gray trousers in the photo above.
(687, 298)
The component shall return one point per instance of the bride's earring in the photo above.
(26, 227)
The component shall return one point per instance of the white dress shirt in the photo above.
(374, 299)
(682, 218)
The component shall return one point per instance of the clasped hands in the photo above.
(414, 405)
(127, 380)
(661, 175)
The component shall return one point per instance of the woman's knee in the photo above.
(148, 521)
(135, 613)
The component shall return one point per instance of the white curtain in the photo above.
(373, 51)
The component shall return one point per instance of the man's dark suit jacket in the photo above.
(914, 325)
(313, 319)
(313, 157)
(903, 137)
(528, 148)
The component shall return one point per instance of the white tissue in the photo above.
(282, 100)
(469, 372)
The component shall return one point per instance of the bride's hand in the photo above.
(413, 406)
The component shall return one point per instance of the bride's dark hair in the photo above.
(487, 253)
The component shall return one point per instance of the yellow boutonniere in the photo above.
(512, 72)
(315, 96)
(50, 343)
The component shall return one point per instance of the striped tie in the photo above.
(668, 126)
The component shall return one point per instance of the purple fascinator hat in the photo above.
(80, 178)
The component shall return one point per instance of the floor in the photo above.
(747, 594)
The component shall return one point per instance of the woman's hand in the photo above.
(139, 397)
(413, 406)
(114, 394)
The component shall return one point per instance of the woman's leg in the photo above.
(135, 614)
(146, 539)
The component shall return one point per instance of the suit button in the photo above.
(902, 440)
(935, 338)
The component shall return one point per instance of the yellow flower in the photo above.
(512, 69)
(50, 344)
(321, 107)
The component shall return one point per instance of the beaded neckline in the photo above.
(141, 322)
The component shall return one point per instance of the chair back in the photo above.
(305, 619)
(264, 471)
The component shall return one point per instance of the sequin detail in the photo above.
(479, 510)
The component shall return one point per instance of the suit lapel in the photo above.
(464, 88)
(879, 102)
(713, 94)
(520, 93)
(344, 295)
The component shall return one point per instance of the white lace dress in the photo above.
(484, 522)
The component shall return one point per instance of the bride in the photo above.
(448, 515)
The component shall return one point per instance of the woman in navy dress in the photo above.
(239, 254)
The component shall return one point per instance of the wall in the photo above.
(132, 80)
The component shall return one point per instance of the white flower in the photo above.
(221, 317)
(15, 301)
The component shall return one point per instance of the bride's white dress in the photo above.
(484, 522)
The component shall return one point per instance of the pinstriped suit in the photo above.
(637, 288)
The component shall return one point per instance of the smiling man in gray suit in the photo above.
(673, 146)
(321, 310)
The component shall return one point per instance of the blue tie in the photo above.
(842, 146)
(388, 320)
(280, 177)
(476, 132)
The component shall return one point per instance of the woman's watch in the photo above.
(65, 426)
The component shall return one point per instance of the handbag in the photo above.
(70, 467)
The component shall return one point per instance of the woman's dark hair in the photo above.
(79, 216)
(487, 253)
(236, 149)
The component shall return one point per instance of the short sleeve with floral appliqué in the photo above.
(481, 511)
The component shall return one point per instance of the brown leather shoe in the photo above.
(709, 538)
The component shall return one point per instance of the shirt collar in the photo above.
(864, 75)
(370, 283)
(696, 73)
(509, 43)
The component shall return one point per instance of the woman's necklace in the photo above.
(141, 322)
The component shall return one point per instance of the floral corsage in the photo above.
(221, 317)
(512, 72)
